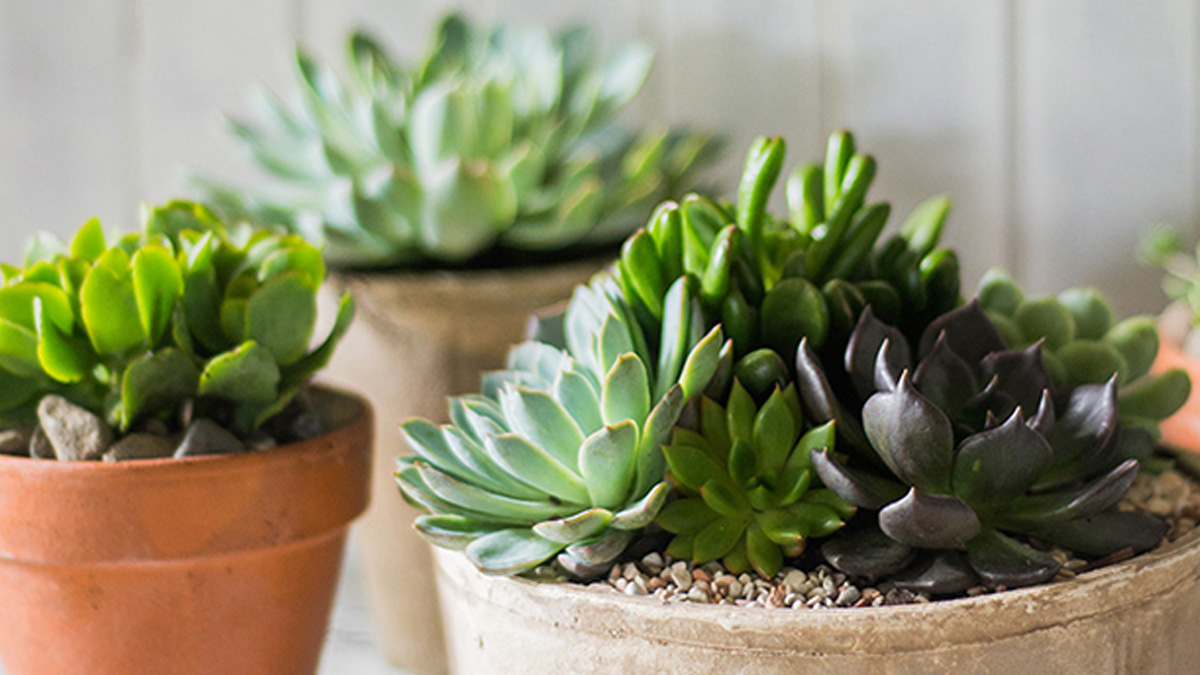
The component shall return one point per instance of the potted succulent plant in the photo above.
(1164, 247)
(454, 195)
(788, 412)
(175, 496)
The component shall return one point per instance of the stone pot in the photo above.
(1135, 618)
(417, 339)
(203, 565)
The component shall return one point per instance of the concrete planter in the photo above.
(1135, 618)
(417, 339)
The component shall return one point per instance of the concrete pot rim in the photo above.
(866, 630)
(456, 278)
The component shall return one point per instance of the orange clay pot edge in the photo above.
(58, 512)
(1181, 430)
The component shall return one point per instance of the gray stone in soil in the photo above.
(15, 442)
(206, 437)
(139, 446)
(39, 445)
(75, 433)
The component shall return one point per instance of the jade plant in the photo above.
(970, 444)
(560, 456)
(495, 146)
(745, 480)
(183, 315)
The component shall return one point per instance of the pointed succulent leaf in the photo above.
(574, 528)
(724, 499)
(478, 501)
(819, 401)
(862, 489)
(924, 520)
(865, 347)
(686, 516)
(937, 573)
(510, 551)
(626, 391)
(579, 399)
(1104, 533)
(867, 553)
(540, 419)
(535, 466)
(1020, 375)
(912, 436)
(743, 463)
(601, 549)
(763, 554)
(1081, 502)
(774, 433)
(717, 538)
(702, 363)
(452, 531)
(691, 466)
(944, 378)
(969, 333)
(607, 461)
(993, 467)
(1083, 431)
(1000, 560)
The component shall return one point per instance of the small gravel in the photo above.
(1170, 495)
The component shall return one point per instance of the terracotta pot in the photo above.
(1181, 430)
(417, 339)
(216, 565)
(1135, 618)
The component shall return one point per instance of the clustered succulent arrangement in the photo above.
(185, 338)
(492, 148)
(738, 385)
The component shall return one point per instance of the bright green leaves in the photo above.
(157, 285)
(109, 305)
(182, 311)
(745, 481)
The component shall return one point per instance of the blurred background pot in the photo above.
(418, 339)
(216, 564)
(1134, 618)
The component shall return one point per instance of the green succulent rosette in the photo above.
(183, 312)
(493, 148)
(746, 480)
(560, 457)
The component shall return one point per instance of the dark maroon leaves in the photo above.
(968, 331)
(945, 378)
(994, 467)
(912, 436)
(1080, 502)
(864, 348)
(1104, 533)
(1082, 437)
(940, 573)
(867, 553)
(1001, 561)
(858, 488)
(1019, 374)
(923, 520)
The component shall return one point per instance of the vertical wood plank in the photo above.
(66, 99)
(923, 85)
(199, 60)
(1106, 117)
(405, 26)
(745, 69)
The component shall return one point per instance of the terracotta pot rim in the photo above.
(836, 630)
(241, 461)
(90, 513)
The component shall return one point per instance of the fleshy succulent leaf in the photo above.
(924, 520)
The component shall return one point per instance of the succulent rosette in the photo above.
(970, 443)
(560, 457)
(184, 312)
(746, 480)
(494, 148)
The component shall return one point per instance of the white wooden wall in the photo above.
(1061, 128)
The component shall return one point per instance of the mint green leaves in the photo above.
(492, 142)
(182, 311)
